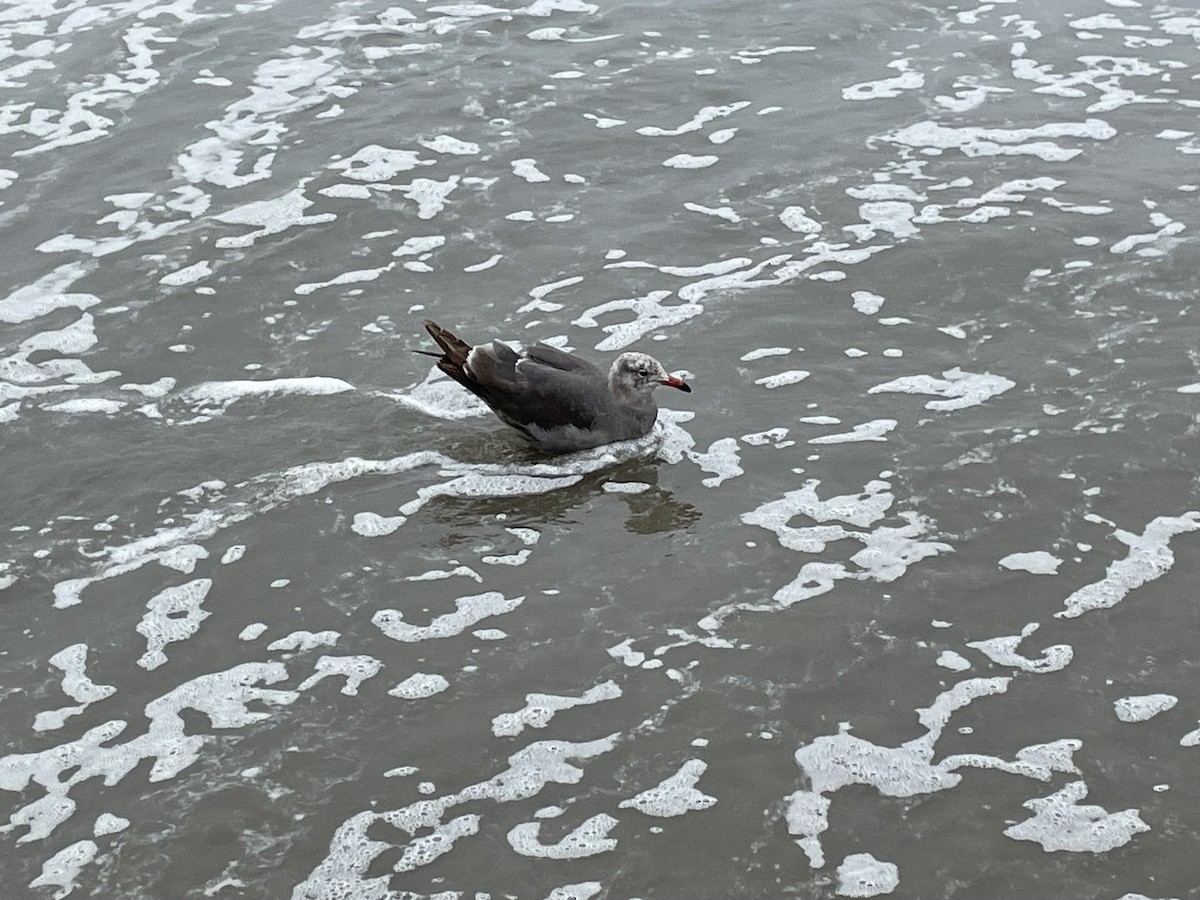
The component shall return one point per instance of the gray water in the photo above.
(901, 600)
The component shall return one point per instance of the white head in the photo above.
(638, 373)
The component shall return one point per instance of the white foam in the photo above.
(886, 88)
(107, 823)
(691, 161)
(527, 169)
(174, 614)
(721, 458)
(61, 869)
(246, 138)
(1144, 707)
(862, 875)
(1003, 652)
(510, 559)
(189, 275)
(1149, 558)
(270, 217)
(584, 890)
(183, 558)
(832, 762)
(625, 653)
(764, 352)
(540, 709)
(874, 430)
(975, 141)
(892, 216)
(357, 276)
(440, 574)
(886, 554)
(774, 436)
(72, 661)
(419, 686)
(84, 405)
(795, 218)
(782, 379)
(650, 314)
(224, 697)
(444, 143)
(674, 796)
(721, 212)
(1060, 823)
(369, 524)
(588, 839)
(599, 121)
(221, 394)
(252, 632)
(1037, 562)
(862, 510)
(423, 850)
(355, 669)
(351, 851)
(469, 611)
(867, 303)
(442, 398)
(955, 662)
(153, 390)
(963, 389)
(430, 195)
(626, 487)
(233, 554)
(302, 641)
(698, 121)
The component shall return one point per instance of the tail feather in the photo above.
(453, 347)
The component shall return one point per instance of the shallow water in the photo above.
(902, 599)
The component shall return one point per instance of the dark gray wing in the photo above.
(559, 359)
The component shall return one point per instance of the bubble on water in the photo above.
(61, 869)
(1149, 558)
(1036, 562)
(961, 389)
(874, 430)
(1060, 823)
(469, 611)
(233, 554)
(589, 839)
(107, 823)
(302, 641)
(355, 669)
(224, 697)
(423, 850)
(72, 661)
(585, 890)
(419, 686)
(948, 659)
(721, 458)
(862, 875)
(540, 709)
(782, 379)
(369, 524)
(174, 614)
(675, 795)
(1142, 708)
(1003, 652)
(832, 762)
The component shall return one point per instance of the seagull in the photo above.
(559, 402)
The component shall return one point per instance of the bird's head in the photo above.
(640, 373)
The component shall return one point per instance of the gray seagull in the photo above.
(558, 401)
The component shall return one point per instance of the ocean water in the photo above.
(903, 600)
